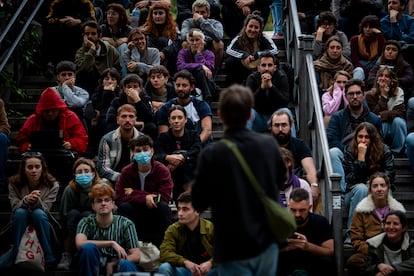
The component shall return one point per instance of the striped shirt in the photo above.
(122, 230)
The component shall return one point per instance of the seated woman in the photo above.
(32, 192)
(199, 61)
(367, 47)
(95, 113)
(331, 62)
(327, 27)
(162, 32)
(133, 93)
(393, 58)
(244, 50)
(158, 87)
(369, 218)
(178, 150)
(395, 242)
(386, 100)
(75, 204)
(293, 181)
(334, 98)
(365, 155)
(115, 30)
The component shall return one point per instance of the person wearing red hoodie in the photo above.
(52, 114)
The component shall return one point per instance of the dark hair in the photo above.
(109, 72)
(177, 107)
(370, 21)
(235, 105)
(245, 43)
(20, 179)
(401, 215)
(375, 149)
(299, 194)
(185, 74)
(143, 140)
(185, 197)
(353, 81)
(123, 18)
(159, 69)
(280, 112)
(329, 17)
(269, 54)
(92, 24)
(129, 78)
(400, 63)
(65, 65)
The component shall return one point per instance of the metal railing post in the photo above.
(337, 222)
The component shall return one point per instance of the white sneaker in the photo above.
(65, 262)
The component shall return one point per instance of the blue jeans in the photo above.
(121, 50)
(396, 133)
(352, 198)
(169, 270)
(40, 221)
(90, 261)
(358, 73)
(410, 149)
(265, 264)
(337, 158)
(277, 14)
(4, 151)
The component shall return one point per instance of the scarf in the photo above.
(327, 67)
(362, 48)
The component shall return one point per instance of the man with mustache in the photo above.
(270, 89)
(311, 248)
(281, 128)
(114, 152)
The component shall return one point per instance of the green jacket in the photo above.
(174, 241)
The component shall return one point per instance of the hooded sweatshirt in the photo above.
(67, 121)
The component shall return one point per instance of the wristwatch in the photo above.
(314, 184)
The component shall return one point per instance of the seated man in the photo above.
(113, 152)
(311, 248)
(144, 190)
(187, 247)
(270, 89)
(74, 96)
(199, 115)
(211, 28)
(106, 242)
(4, 145)
(52, 116)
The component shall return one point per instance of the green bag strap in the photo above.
(245, 167)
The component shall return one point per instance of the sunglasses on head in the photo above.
(29, 154)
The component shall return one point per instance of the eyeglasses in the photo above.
(353, 94)
(267, 64)
(103, 200)
(29, 154)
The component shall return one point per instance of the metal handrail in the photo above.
(14, 20)
(311, 124)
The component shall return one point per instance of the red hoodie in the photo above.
(69, 123)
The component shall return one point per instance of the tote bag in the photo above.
(30, 254)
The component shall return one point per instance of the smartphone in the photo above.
(157, 199)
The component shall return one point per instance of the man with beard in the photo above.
(270, 89)
(199, 115)
(343, 123)
(114, 152)
(281, 128)
(311, 248)
(94, 57)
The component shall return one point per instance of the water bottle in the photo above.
(135, 17)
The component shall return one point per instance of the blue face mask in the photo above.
(143, 158)
(83, 179)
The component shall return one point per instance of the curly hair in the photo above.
(376, 90)
(169, 28)
(375, 149)
(245, 43)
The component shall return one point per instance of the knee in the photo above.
(125, 208)
(3, 139)
(88, 248)
(165, 268)
(410, 140)
(399, 123)
(361, 190)
(20, 214)
(411, 103)
(336, 153)
(126, 266)
(39, 215)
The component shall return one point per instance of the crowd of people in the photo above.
(129, 134)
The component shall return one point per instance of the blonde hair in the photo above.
(195, 33)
